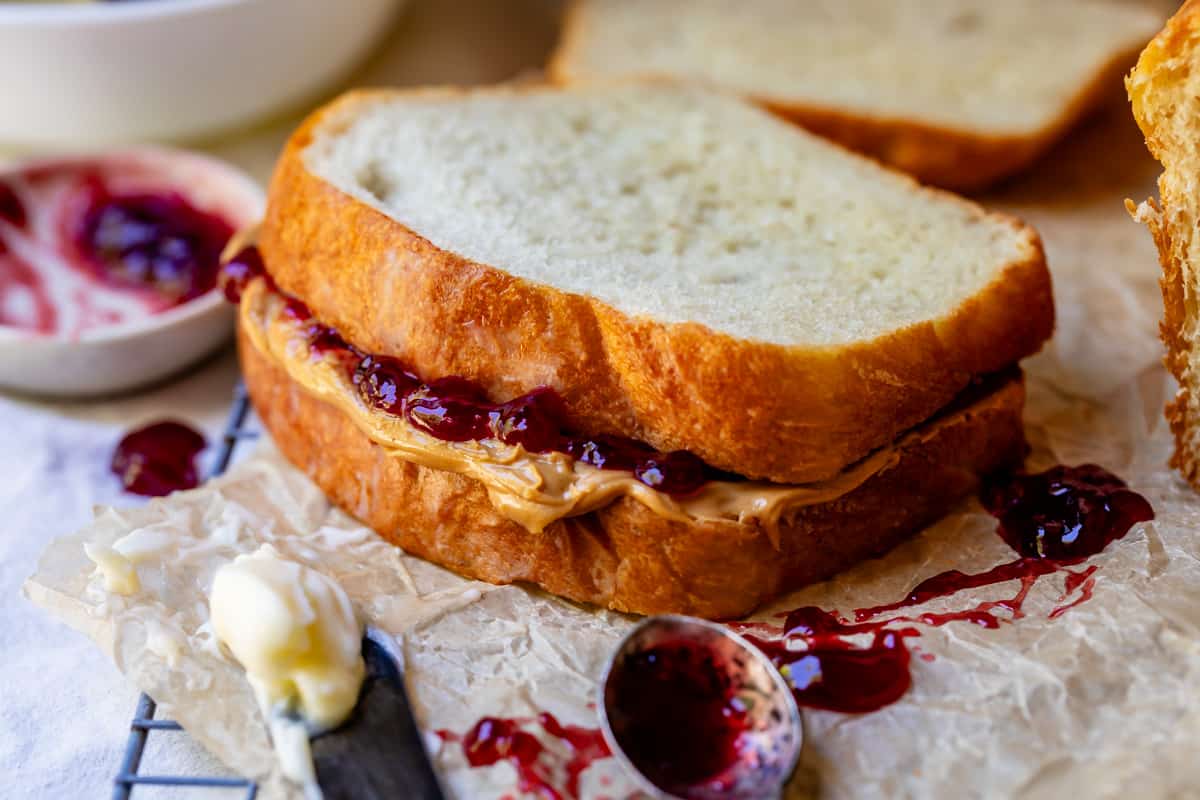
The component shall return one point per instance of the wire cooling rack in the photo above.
(144, 722)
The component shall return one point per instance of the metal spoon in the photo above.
(768, 750)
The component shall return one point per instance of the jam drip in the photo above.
(156, 241)
(455, 409)
(158, 459)
(236, 273)
(25, 302)
(944, 584)
(1053, 520)
(674, 709)
(495, 739)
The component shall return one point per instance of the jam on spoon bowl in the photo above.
(151, 336)
(694, 711)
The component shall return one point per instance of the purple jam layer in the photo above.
(156, 241)
(455, 409)
(675, 712)
(158, 459)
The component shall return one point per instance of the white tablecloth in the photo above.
(64, 709)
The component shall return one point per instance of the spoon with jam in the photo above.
(694, 711)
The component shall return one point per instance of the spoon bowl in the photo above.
(694, 711)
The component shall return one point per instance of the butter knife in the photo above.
(379, 751)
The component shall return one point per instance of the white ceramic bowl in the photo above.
(117, 358)
(84, 74)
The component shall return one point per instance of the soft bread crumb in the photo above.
(1007, 68)
(1165, 90)
(681, 205)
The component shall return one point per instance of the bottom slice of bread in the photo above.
(624, 556)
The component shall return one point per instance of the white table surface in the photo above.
(64, 708)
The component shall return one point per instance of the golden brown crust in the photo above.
(623, 556)
(962, 160)
(786, 414)
(1163, 62)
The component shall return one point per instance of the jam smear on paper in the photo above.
(1064, 514)
(1054, 520)
(834, 675)
(539, 771)
(675, 711)
(158, 459)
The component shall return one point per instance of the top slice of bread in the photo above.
(1165, 90)
(957, 92)
(681, 266)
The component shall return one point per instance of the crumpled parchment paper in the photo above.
(1101, 701)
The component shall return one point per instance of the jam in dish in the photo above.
(158, 459)
(12, 210)
(158, 242)
(90, 243)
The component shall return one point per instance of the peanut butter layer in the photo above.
(532, 489)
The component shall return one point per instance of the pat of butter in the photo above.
(295, 633)
(120, 575)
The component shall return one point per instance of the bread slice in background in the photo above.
(624, 556)
(956, 92)
(1165, 91)
(683, 267)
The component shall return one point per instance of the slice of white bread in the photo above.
(956, 92)
(684, 268)
(1165, 90)
(625, 556)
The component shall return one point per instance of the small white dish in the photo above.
(120, 357)
(85, 74)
